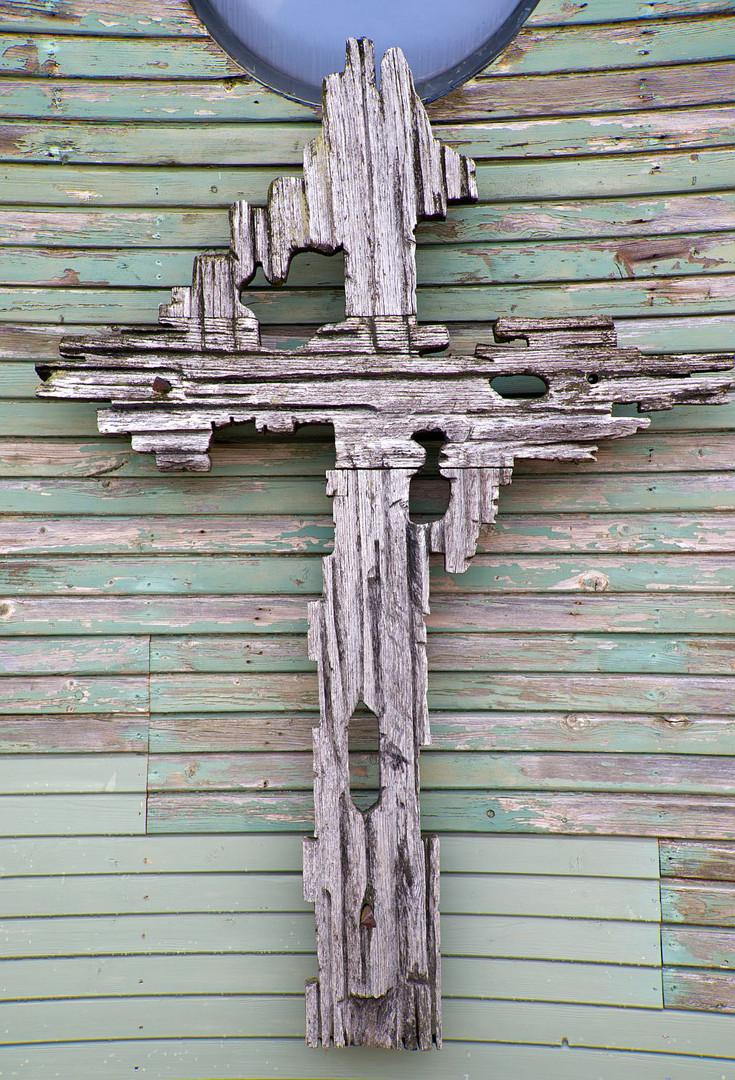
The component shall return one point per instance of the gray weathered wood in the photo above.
(374, 172)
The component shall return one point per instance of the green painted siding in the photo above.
(157, 698)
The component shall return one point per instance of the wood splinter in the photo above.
(373, 173)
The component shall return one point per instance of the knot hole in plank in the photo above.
(363, 746)
(429, 493)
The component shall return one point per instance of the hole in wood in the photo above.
(519, 386)
(429, 493)
(363, 744)
(313, 291)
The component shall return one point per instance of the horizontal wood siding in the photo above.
(157, 698)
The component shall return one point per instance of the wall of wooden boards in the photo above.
(157, 698)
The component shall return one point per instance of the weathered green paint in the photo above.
(29, 774)
(595, 493)
(443, 770)
(74, 693)
(590, 856)
(243, 99)
(558, 708)
(625, 298)
(214, 576)
(570, 813)
(582, 260)
(595, 612)
(189, 1059)
(668, 172)
(594, 940)
(469, 894)
(580, 48)
(261, 973)
(112, 228)
(579, 732)
(73, 815)
(691, 654)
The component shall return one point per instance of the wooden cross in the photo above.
(372, 174)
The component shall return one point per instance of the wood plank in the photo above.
(176, 18)
(190, 227)
(243, 99)
(34, 343)
(511, 534)
(68, 734)
(565, 813)
(711, 991)
(620, 299)
(444, 770)
(135, 143)
(257, 455)
(127, 976)
(688, 859)
(203, 495)
(453, 264)
(590, 856)
(469, 894)
(72, 815)
(657, 733)
(176, 1017)
(456, 652)
(698, 947)
(74, 694)
(595, 612)
(698, 903)
(221, 1057)
(667, 172)
(203, 575)
(592, 940)
(22, 774)
(77, 655)
(534, 50)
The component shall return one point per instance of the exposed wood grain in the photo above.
(78, 656)
(74, 693)
(690, 654)
(567, 813)
(594, 612)
(172, 228)
(107, 495)
(176, 17)
(70, 734)
(667, 172)
(568, 261)
(598, 732)
(688, 859)
(243, 99)
(535, 49)
(710, 991)
(213, 576)
(698, 946)
(134, 143)
(443, 770)
(554, 532)
(629, 298)
(698, 903)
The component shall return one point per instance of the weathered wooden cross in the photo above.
(369, 177)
